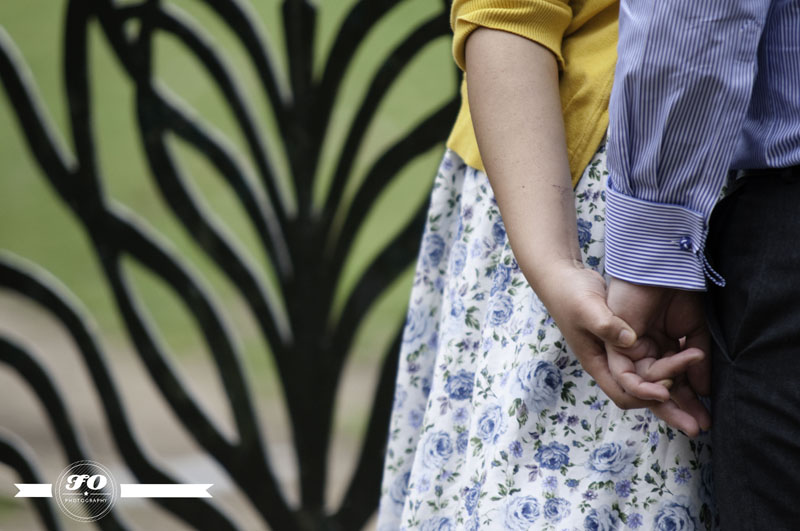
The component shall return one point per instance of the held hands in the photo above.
(629, 340)
(669, 323)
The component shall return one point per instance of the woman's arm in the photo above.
(516, 111)
(512, 84)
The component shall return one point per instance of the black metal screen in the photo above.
(306, 248)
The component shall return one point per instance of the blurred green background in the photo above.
(35, 225)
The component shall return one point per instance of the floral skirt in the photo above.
(495, 425)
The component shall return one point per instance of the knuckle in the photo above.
(600, 325)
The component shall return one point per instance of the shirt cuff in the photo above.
(656, 244)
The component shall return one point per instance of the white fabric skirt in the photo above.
(495, 425)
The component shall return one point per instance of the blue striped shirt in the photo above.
(701, 87)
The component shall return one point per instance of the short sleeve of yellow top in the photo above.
(582, 34)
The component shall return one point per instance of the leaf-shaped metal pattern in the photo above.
(308, 255)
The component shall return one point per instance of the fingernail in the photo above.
(626, 337)
(666, 383)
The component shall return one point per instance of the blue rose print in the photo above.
(447, 162)
(471, 497)
(437, 523)
(602, 519)
(675, 516)
(612, 460)
(682, 475)
(492, 424)
(439, 283)
(416, 325)
(476, 249)
(515, 448)
(457, 307)
(498, 232)
(399, 490)
(462, 442)
(425, 386)
(635, 520)
(415, 417)
(501, 309)
(584, 232)
(459, 385)
(433, 250)
(541, 383)
(521, 512)
(556, 509)
(423, 484)
(552, 456)
(437, 449)
(623, 488)
(501, 278)
(400, 395)
(459, 260)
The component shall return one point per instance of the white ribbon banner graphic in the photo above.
(34, 490)
(127, 490)
(164, 490)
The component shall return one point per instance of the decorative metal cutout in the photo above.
(308, 353)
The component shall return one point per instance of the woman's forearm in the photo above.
(516, 111)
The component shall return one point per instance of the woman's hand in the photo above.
(575, 296)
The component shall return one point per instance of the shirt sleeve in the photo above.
(682, 86)
(542, 21)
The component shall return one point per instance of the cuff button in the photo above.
(685, 243)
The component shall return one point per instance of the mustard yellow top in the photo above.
(582, 34)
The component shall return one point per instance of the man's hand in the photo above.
(673, 343)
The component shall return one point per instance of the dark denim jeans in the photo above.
(755, 321)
